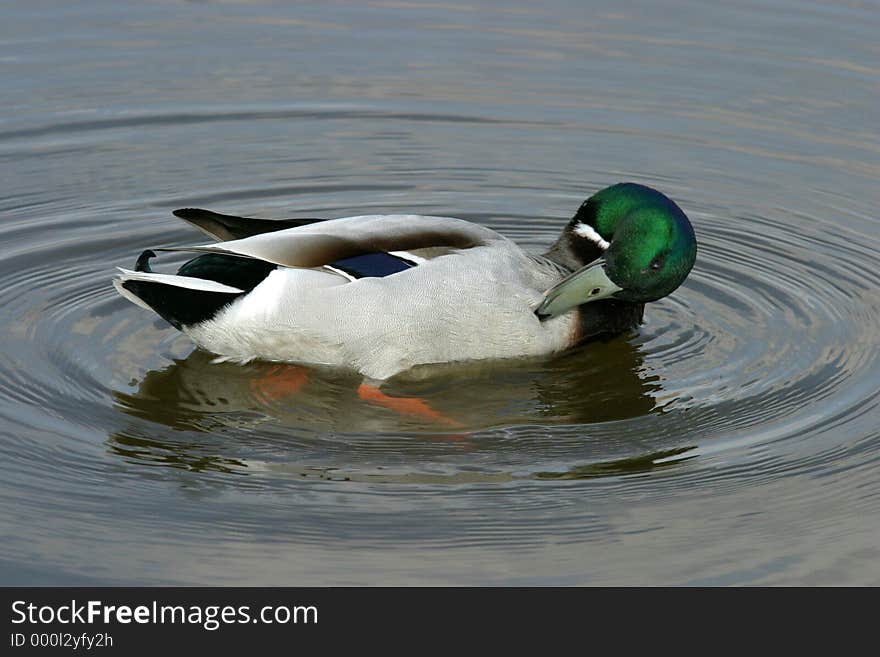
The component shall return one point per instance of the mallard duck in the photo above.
(383, 293)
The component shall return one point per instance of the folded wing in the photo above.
(230, 227)
(327, 242)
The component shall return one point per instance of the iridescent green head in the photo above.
(627, 242)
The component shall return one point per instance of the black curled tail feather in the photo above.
(143, 261)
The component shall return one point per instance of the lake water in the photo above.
(733, 439)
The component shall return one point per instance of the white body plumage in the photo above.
(473, 302)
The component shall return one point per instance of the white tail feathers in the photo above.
(187, 282)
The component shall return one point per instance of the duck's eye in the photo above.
(657, 264)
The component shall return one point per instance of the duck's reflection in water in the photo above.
(600, 382)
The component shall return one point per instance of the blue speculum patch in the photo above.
(372, 265)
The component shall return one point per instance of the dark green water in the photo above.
(733, 439)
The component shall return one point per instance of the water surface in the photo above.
(733, 439)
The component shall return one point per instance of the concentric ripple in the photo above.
(739, 356)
